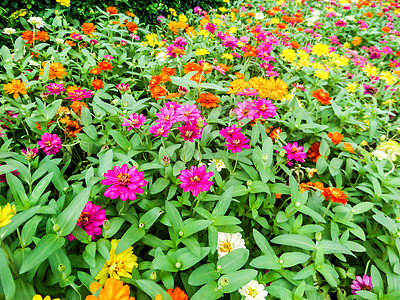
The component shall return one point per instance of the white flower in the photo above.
(259, 16)
(219, 164)
(380, 154)
(315, 13)
(37, 21)
(59, 41)
(162, 56)
(228, 242)
(350, 18)
(33, 63)
(9, 31)
(253, 291)
(311, 21)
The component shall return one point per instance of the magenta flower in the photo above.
(188, 112)
(172, 105)
(264, 108)
(125, 183)
(210, 27)
(180, 42)
(29, 153)
(167, 116)
(229, 131)
(230, 41)
(135, 121)
(90, 220)
(245, 110)
(123, 87)
(160, 129)
(247, 92)
(76, 36)
(50, 143)
(3, 177)
(55, 88)
(79, 94)
(236, 142)
(294, 151)
(219, 69)
(196, 180)
(190, 131)
(108, 57)
(361, 284)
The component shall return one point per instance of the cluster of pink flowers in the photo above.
(294, 151)
(261, 108)
(235, 140)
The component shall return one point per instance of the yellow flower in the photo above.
(38, 297)
(370, 70)
(6, 214)
(216, 21)
(233, 29)
(321, 74)
(288, 55)
(320, 50)
(271, 88)
(16, 87)
(202, 52)
(389, 101)
(66, 3)
(388, 77)
(222, 9)
(204, 32)
(173, 12)
(351, 87)
(392, 148)
(317, 66)
(280, 2)
(226, 1)
(347, 45)
(182, 18)
(119, 265)
(227, 56)
(237, 86)
(274, 21)
(304, 62)
(303, 54)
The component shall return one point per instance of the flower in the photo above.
(88, 28)
(111, 10)
(219, 164)
(228, 242)
(188, 112)
(245, 110)
(56, 70)
(391, 148)
(388, 77)
(351, 87)
(135, 121)
(167, 116)
(202, 51)
(97, 84)
(236, 142)
(79, 94)
(321, 74)
(196, 180)
(55, 88)
(123, 87)
(190, 131)
(90, 220)
(229, 131)
(320, 50)
(16, 87)
(38, 297)
(264, 108)
(208, 100)
(321, 96)
(294, 151)
(335, 195)
(361, 284)
(348, 147)
(335, 137)
(125, 182)
(36, 21)
(66, 3)
(30, 153)
(370, 70)
(104, 65)
(9, 31)
(380, 154)
(50, 143)
(6, 213)
(114, 289)
(271, 88)
(119, 265)
(160, 129)
(73, 128)
(253, 291)
(313, 152)
(177, 294)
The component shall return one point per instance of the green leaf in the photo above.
(150, 217)
(267, 262)
(174, 216)
(367, 295)
(224, 203)
(362, 207)
(131, 236)
(312, 213)
(160, 185)
(18, 220)
(209, 291)
(279, 292)
(187, 259)
(385, 221)
(105, 162)
(86, 116)
(377, 283)
(233, 261)
(165, 263)
(295, 240)
(203, 275)
(291, 259)
(262, 243)
(237, 279)
(29, 230)
(333, 247)
(152, 289)
(6, 277)
(191, 228)
(70, 215)
(17, 190)
(46, 247)
(51, 110)
(120, 139)
(40, 188)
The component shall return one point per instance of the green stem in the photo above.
(327, 208)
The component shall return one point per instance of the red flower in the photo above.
(335, 195)
(321, 96)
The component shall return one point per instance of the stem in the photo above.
(234, 168)
(393, 167)
(327, 208)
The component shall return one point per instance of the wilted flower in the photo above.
(228, 242)
(123, 87)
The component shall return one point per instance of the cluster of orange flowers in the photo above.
(158, 90)
(30, 36)
(336, 138)
(101, 66)
(64, 114)
(200, 69)
(274, 133)
(174, 26)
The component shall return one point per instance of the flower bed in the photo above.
(244, 153)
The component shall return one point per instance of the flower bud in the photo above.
(56, 228)
(318, 236)
(124, 43)
(44, 95)
(382, 138)
(282, 153)
(153, 276)
(178, 265)
(182, 91)
(141, 225)
(165, 161)
(106, 224)
(231, 114)
(224, 282)
(265, 157)
(61, 268)
(249, 182)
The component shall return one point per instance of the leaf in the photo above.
(18, 220)
(69, 216)
(295, 240)
(291, 259)
(333, 247)
(312, 213)
(174, 216)
(224, 203)
(51, 110)
(233, 260)
(46, 247)
(237, 279)
(262, 243)
(105, 162)
(210, 292)
(204, 274)
(160, 185)
(40, 188)
(120, 139)
(152, 289)
(385, 221)
(376, 277)
(6, 277)
(191, 228)
(267, 262)
(279, 292)
(362, 207)
(131, 236)
(17, 190)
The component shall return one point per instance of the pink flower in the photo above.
(180, 42)
(160, 129)
(190, 131)
(229, 131)
(236, 142)
(264, 108)
(55, 88)
(294, 151)
(50, 143)
(76, 36)
(172, 105)
(108, 57)
(29, 153)
(79, 94)
(125, 183)
(210, 27)
(188, 112)
(123, 87)
(361, 284)
(135, 121)
(90, 220)
(245, 110)
(219, 69)
(247, 92)
(196, 180)
(167, 116)
(3, 177)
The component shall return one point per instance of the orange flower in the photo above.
(104, 65)
(368, 14)
(16, 87)
(313, 152)
(63, 114)
(27, 35)
(175, 26)
(95, 71)
(158, 91)
(77, 107)
(172, 96)
(307, 186)
(70, 43)
(335, 137)
(348, 147)
(168, 71)
(42, 36)
(295, 45)
(271, 88)
(281, 26)
(56, 70)
(128, 13)
(335, 195)
(73, 128)
(132, 27)
(113, 289)
(274, 135)
(321, 96)
(177, 294)
(97, 84)
(208, 100)
(111, 10)
(356, 41)
(385, 29)
(278, 196)
(239, 75)
(72, 89)
(88, 28)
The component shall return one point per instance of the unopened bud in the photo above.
(178, 265)
(224, 282)
(141, 225)
(318, 236)
(153, 276)
(106, 224)
(382, 138)
(165, 161)
(182, 91)
(56, 228)
(61, 268)
(265, 157)
(44, 95)
(249, 182)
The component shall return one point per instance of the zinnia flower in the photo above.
(335, 137)
(29, 153)
(294, 151)
(313, 152)
(16, 87)
(335, 195)
(56, 70)
(245, 110)
(6, 213)
(237, 142)
(97, 84)
(160, 129)
(253, 291)
(125, 183)
(188, 112)
(321, 96)
(55, 88)
(50, 143)
(90, 220)
(177, 294)
(79, 94)
(229, 131)
(228, 242)
(119, 265)
(39, 297)
(190, 131)
(135, 121)
(361, 284)
(208, 100)
(114, 289)
(196, 180)
(264, 108)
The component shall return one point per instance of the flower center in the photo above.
(226, 247)
(263, 107)
(84, 217)
(124, 178)
(294, 150)
(195, 179)
(236, 142)
(252, 292)
(48, 143)
(245, 112)
(188, 133)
